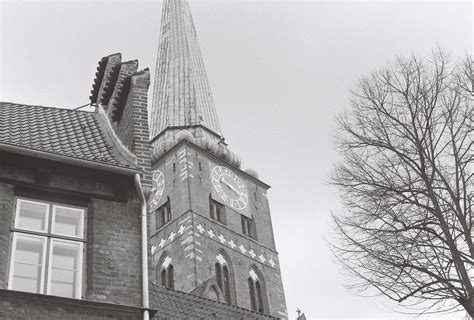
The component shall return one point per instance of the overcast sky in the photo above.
(279, 72)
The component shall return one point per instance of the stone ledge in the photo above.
(45, 300)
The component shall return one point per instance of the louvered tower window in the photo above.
(223, 277)
(256, 292)
(166, 273)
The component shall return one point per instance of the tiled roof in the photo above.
(64, 132)
(172, 304)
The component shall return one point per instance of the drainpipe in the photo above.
(138, 186)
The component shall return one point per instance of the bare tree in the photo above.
(406, 183)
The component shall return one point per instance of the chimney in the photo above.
(121, 91)
(105, 79)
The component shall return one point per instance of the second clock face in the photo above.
(229, 187)
(157, 189)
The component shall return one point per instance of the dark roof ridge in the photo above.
(45, 107)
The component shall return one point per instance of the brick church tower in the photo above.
(210, 225)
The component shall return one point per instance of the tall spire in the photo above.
(182, 95)
(182, 99)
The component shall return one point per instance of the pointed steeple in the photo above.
(182, 106)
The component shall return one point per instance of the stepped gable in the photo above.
(70, 133)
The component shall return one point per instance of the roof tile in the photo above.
(72, 133)
(173, 304)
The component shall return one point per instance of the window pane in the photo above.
(63, 282)
(32, 215)
(29, 250)
(27, 278)
(66, 255)
(65, 277)
(68, 221)
(28, 264)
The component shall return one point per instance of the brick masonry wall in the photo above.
(113, 252)
(27, 306)
(132, 128)
(112, 258)
(241, 262)
(193, 251)
(201, 186)
(6, 211)
(176, 186)
(180, 246)
(169, 238)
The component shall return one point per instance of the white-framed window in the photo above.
(47, 248)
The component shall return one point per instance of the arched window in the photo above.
(223, 276)
(258, 288)
(170, 271)
(256, 291)
(226, 283)
(219, 274)
(163, 277)
(253, 300)
(165, 272)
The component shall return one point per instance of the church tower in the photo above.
(210, 225)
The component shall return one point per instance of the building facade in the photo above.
(210, 220)
(114, 214)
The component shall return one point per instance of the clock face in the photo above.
(157, 189)
(229, 187)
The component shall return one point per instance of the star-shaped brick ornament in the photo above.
(181, 229)
(200, 228)
(172, 235)
(162, 243)
(231, 244)
(242, 249)
(272, 263)
(262, 258)
(211, 233)
(252, 253)
(221, 239)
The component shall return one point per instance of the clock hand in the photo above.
(231, 187)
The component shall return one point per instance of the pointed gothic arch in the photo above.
(257, 290)
(164, 271)
(225, 276)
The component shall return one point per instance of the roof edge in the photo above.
(215, 158)
(69, 160)
(112, 136)
(156, 287)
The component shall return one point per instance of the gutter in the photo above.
(74, 161)
(143, 215)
